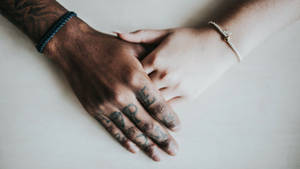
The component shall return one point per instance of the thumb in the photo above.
(144, 36)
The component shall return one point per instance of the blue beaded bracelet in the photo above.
(53, 30)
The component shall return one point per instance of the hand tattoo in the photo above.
(158, 135)
(169, 120)
(118, 118)
(145, 98)
(130, 111)
(100, 117)
(120, 138)
(146, 142)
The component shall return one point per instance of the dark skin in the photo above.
(105, 75)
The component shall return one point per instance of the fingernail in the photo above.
(133, 147)
(156, 158)
(156, 154)
(173, 125)
(175, 128)
(172, 148)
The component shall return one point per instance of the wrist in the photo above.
(66, 37)
(239, 37)
(44, 18)
(217, 47)
(73, 38)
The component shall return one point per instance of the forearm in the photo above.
(33, 17)
(252, 21)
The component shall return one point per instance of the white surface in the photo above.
(249, 119)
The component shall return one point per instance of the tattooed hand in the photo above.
(105, 75)
(113, 87)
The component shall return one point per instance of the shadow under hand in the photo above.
(215, 10)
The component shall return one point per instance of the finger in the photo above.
(171, 91)
(115, 132)
(134, 134)
(175, 100)
(147, 68)
(157, 79)
(144, 36)
(152, 60)
(156, 105)
(88, 100)
(137, 115)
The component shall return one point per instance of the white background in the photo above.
(249, 119)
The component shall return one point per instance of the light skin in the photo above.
(188, 60)
(105, 75)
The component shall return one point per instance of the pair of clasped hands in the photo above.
(130, 81)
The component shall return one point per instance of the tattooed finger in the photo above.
(137, 114)
(116, 133)
(155, 104)
(135, 135)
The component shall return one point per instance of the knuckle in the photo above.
(134, 50)
(128, 72)
(135, 79)
(112, 130)
(125, 142)
(120, 95)
(149, 126)
(100, 109)
(158, 109)
(105, 121)
(131, 132)
(120, 138)
(122, 98)
(150, 148)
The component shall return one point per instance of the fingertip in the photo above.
(133, 148)
(156, 156)
(174, 124)
(172, 148)
(175, 128)
(153, 152)
(156, 159)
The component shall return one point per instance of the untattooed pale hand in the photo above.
(185, 62)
